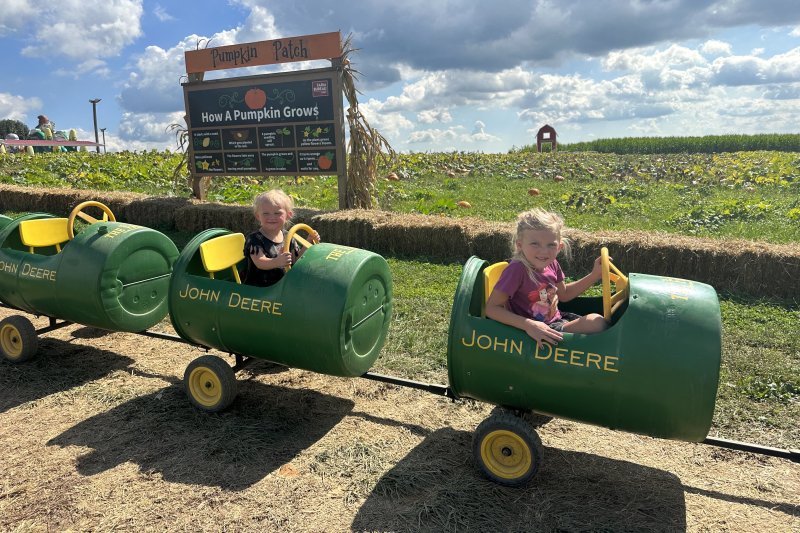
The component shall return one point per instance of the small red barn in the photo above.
(546, 134)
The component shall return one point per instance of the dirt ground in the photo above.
(96, 434)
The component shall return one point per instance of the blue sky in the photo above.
(435, 75)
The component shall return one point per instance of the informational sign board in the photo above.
(277, 124)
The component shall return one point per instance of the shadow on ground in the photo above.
(438, 488)
(265, 428)
(58, 366)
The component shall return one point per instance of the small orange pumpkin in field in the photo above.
(533, 192)
(464, 203)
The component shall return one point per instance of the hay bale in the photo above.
(156, 212)
(59, 201)
(493, 241)
(737, 266)
(195, 218)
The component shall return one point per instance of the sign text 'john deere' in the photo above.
(272, 124)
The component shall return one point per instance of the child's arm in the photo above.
(538, 331)
(568, 291)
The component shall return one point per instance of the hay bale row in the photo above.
(738, 266)
(155, 212)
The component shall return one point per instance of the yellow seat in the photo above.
(42, 232)
(223, 252)
(490, 276)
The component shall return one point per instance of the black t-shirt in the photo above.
(256, 242)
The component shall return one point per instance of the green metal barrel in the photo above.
(330, 313)
(111, 275)
(654, 371)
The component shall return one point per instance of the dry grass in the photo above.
(97, 435)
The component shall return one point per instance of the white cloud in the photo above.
(714, 47)
(429, 116)
(83, 29)
(751, 70)
(150, 128)
(161, 14)
(17, 107)
(16, 16)
(390, 124)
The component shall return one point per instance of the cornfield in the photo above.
(709, 144)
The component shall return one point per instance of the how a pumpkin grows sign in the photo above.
(287, 123)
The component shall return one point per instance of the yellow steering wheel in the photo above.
(291, 234)
(78, 212)
(611, 274)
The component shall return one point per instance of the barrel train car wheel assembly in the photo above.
(507, 449)
(18, 340)
(210, 383)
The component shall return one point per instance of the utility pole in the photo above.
(103, 130)
(94, 116)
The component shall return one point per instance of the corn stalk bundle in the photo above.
(367, 148)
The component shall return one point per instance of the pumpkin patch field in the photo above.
(750, 195)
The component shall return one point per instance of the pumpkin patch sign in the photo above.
(287, 123)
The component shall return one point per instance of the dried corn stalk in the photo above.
(367, 148)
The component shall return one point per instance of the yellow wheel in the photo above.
(292, 234)
(507, 450)
(78, 212)
(18, 340)
(210, 383)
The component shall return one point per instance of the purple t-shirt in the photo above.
(527, 297)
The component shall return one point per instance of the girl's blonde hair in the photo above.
(275, 197)
(538, 219)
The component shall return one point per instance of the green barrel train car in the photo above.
(654, 371)
(330, 313)
(110, 275)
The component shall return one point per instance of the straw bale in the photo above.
(351, 228)
(59, 201)
(731, 265)
(155, 212)
(492, 241)
(195, 218)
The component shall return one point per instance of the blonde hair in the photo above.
(275, 197)
(538, 219)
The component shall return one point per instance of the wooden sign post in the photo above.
(289, 123)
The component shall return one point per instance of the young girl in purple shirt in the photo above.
(527, 294)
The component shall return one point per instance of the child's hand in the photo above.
(553, 307)
(314, 237)
(597, 270)
(282, 260)
(541, 332)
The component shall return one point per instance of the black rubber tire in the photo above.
(210, 383)
(506, 449)
(18, 339)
